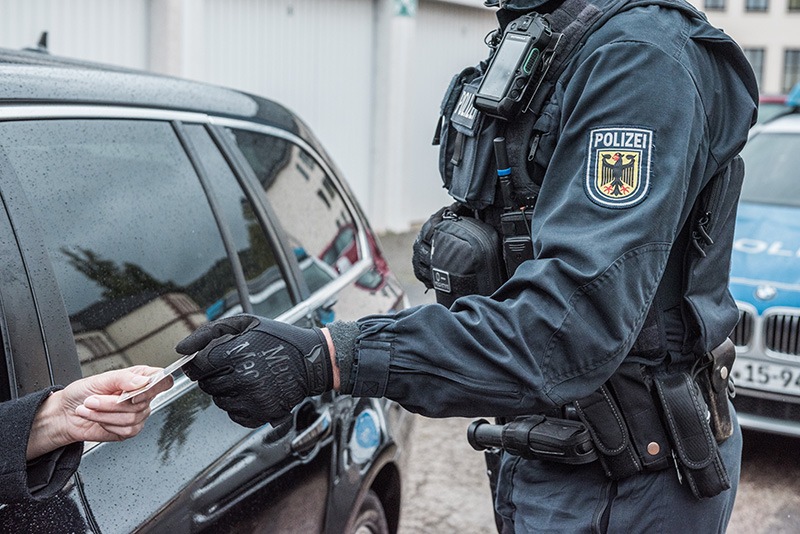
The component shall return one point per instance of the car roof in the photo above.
(789, 123)
(33, 77)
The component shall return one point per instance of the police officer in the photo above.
(628, 268)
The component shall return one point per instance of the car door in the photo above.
(148, 235)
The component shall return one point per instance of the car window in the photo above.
(133, 242)
(771, 163)
(266, 286)
(307, 203)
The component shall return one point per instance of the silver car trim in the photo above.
(43, 111)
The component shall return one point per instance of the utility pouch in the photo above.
(421, 250)
(694, 448)
(517, 243)
(715, 383)
(465, 138)
(466, 258)
(603, 418)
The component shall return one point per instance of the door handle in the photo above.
(316, 432)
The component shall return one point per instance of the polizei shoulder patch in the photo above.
(618, 166)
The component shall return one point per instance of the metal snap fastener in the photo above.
(653, 448)
(723, 372)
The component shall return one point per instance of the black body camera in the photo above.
(515, 66)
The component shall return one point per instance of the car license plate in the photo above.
(756, 374)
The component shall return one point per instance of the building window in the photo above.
(791, 69)
(756, 5)
(756, 58)
(794, 5)
(714, 5)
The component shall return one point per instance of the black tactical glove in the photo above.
(257, 369)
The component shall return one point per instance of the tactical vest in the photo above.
(468, 170)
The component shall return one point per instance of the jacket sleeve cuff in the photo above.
(371, 368)
(363, 363)
(343, 335)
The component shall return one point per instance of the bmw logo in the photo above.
(766, 292)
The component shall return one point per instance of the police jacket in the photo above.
(42, 477)
(655, 79)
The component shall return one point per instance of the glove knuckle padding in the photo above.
(269, 367)
(209, 332)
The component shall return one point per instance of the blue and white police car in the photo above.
(765, 278)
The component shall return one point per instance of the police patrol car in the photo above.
(765, 278)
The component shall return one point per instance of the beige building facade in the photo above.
(769, 33)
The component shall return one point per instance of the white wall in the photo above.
(108, 31)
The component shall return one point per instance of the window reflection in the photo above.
(133, 242)
(307, 204)
(266, 287)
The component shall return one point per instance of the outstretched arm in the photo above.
(86, 410)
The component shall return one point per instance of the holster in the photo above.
(716, 385)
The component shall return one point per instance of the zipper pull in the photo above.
(534, 146)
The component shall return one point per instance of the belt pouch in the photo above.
(714, 381)
(687, 419)
(601, 415)
(634, 394)
(466, 258)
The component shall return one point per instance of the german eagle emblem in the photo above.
(618, 166)
(618, 174)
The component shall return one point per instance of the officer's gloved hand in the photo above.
(257, 369)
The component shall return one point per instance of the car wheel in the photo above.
(371, 518)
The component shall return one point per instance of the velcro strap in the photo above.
(372, 369)
(458, 149)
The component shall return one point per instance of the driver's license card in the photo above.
(157, 377)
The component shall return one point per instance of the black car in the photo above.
(137, 207)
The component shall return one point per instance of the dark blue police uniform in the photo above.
(646, 112)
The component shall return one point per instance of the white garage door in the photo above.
(448, 38)
(313, 56)
(95, 30)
